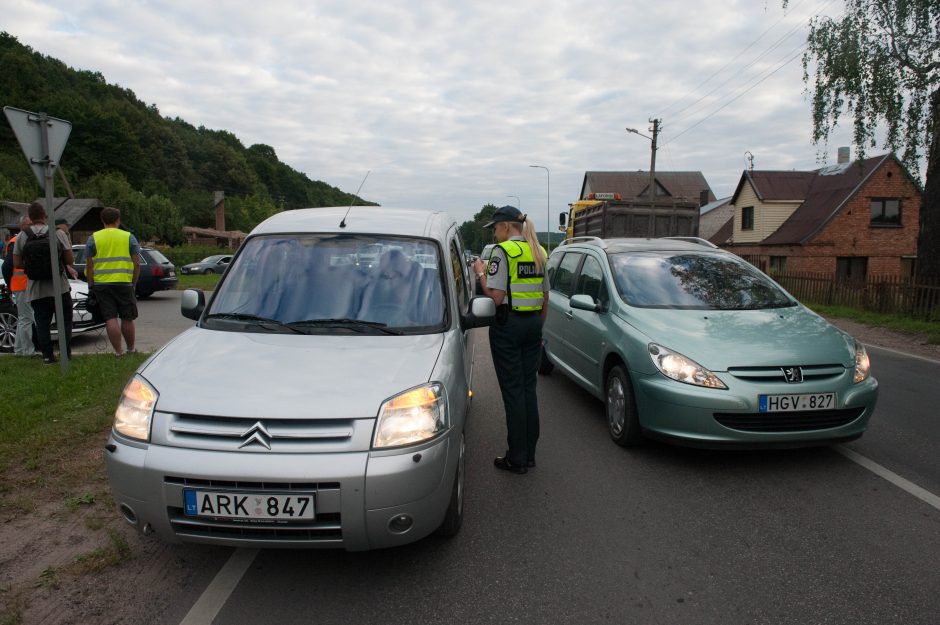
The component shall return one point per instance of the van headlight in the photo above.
(676, 366)
(862, 364)
(135, 410)
(412, 417)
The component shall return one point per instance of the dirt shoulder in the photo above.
(914, 344)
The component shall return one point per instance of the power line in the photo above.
(725, 66)
(735, 98)
(770, 49)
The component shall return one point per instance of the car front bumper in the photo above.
(706, 417)
(357, 495)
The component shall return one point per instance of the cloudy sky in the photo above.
(447, 104)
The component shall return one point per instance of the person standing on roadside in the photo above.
(25, 341)
(112, 268)
(31, 253)
(515, 279)
(63, 225)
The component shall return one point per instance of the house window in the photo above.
(851, 268)
(886, 212)
(747, 218)
(778, 264)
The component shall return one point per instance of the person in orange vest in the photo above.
(24, 343)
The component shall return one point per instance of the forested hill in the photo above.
(161, 172)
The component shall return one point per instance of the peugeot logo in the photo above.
(256, 434)
(793, 375)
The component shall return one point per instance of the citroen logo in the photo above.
(793, 375)
(256, 434)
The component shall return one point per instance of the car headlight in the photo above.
(135, 410)
(862, 364)
(678, 367)
(412, 417)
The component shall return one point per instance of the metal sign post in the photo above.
(43, 150)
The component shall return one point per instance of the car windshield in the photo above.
(212, 259)
(694, 281)
(158, 257)
(328, 283)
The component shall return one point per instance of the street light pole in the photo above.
(518, 202)
(548, 207)
(653, 148)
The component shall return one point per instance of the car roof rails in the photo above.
(697, 240)
(599, 242)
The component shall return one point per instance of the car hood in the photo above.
(719, 339)
(237, 374)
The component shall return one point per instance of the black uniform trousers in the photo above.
(517, 349)
(44, 311)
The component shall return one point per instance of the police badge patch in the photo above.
(494, 265)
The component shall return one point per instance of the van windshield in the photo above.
(328, 283)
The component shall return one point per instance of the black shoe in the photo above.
(502, 462)
(48, 361)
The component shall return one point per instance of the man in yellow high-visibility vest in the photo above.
(112, 268)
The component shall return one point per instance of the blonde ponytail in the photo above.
(538, 253)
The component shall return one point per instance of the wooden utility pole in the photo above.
(655, 123)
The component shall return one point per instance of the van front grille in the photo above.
(326, 528)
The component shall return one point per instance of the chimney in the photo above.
(219, 201)
(702, 197)
(845, 154)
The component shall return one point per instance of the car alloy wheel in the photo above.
(622, 419)
(7, 331)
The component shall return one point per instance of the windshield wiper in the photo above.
(261, 321)
(353, 324)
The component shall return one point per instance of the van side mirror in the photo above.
(193, 303)
(482, 313)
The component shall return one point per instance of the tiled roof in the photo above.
(829, 190)
(631, 184)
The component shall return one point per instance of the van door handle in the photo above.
(569, 314)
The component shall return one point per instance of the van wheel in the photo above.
(623, 422)
(545, 365)
(454, 517)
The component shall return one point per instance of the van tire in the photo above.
(453, 519)
(545, 365)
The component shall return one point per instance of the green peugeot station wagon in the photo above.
(691, 344)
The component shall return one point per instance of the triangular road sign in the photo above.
(29, 133)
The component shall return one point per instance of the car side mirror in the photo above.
(193, 303)
(482, 313)
(584, 302)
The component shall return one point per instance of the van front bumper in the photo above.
(363, 500)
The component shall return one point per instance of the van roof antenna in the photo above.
(342, 224)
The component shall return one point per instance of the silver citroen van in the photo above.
(318, 401)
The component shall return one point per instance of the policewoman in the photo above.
(515, 279)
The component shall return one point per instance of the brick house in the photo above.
(850, 220)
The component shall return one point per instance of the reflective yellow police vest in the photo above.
(112, 260)
(525, 279)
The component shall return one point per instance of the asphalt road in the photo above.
(599, 534)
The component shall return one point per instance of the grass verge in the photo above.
(205, 282)
(49, 414)
(898, 323)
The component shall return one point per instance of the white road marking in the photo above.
(921, 493)
(208, 605)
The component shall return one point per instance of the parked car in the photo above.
(82, 320)
(157, 273)
(340, 422)
(691, 344)
(217, 263)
